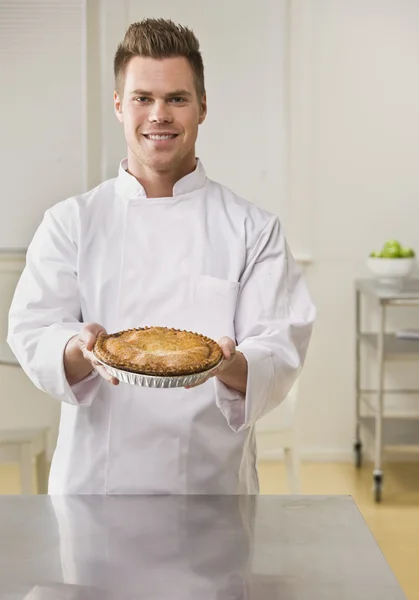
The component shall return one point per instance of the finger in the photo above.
(107, 376)
(85, 342)
(90, 341)
(226, 351)
(103, 372)
(90, 338)
(228, 347)
(101, 369)
(88, 355)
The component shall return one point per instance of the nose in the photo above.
(160, 113)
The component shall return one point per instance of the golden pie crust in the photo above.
(158, 351)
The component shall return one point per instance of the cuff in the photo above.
(85, 390)
(232, 404)
(242, 411)
(50, 367)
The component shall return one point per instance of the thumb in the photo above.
(89, 333)
(228, 347)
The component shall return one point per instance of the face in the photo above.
(160, 112)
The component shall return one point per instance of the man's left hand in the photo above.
(228, 347)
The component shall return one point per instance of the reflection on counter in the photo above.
(189, 548)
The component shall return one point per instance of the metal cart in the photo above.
(387, 429)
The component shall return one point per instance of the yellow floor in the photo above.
(394, 523)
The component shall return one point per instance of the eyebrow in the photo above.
(169, 95)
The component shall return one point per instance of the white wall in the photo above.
(42, 146)
(43, 159)
(355, 182)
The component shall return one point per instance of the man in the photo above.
(160, 245)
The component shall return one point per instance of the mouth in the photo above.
(162, 137)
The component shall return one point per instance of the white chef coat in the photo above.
(204, 260)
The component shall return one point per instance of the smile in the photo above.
(160, 137)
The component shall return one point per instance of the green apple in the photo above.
(407, 252)
(375, 254)
(390, 243)
(391, 252)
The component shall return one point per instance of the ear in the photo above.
(117, 103)
(203, 109)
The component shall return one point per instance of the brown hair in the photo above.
(159, 38)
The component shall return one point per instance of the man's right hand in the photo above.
(79, 360)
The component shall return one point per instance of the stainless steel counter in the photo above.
(189, 547)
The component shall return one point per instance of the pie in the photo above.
(158, 351)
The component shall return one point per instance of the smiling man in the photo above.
(160, 245)
(160, 121)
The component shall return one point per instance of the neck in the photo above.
(160, 183)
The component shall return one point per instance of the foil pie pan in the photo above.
(153, 381)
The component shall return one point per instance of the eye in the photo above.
(177, 100)
(141, 99)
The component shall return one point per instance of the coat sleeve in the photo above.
(45, 313)
(273, 324)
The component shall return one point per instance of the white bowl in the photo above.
(390, 268)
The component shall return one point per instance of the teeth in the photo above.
(161, 137)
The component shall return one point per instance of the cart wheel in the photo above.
(378, 486)
(358, 454)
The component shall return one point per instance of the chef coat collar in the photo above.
(132, 189)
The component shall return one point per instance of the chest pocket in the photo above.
(214, 306)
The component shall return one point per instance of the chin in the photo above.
(165, 163)
(161, 165)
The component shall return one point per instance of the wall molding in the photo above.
(323, 455)
(12, 261)
(337, 455)
(303, 258)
